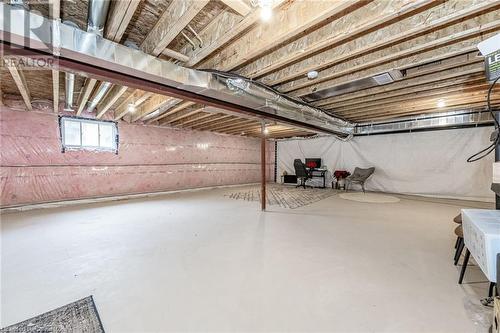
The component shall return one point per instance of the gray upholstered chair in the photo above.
(359, 176)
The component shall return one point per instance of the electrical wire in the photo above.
(486, 151)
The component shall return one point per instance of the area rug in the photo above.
(79, 316)
(369, 197)
(284, 196)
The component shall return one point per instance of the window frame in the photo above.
(80, 120)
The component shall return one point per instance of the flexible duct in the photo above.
(77, 46)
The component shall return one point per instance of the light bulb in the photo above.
(266, 13)
(441, 103)
(266, 130)
(131, 108)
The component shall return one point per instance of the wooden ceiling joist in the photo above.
(376, 41)
(239, 6)
(181, 106)
(18, 76)
(438, 92)
(374, 63)
(120, 14)
(217, 123)
(85, 95)
(417, 102)
(298, 17)
(170, 24)
(185, 121)
(55, 90)
(224, 29)
(110, 100)
(209, 120)
(430, 79)
(181, 114)
(465, 105)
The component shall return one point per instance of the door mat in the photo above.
(79, 316)
(284, 196)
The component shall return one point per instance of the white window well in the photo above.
(83, 133)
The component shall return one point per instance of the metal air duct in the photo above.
(69, 88)
(106, 60)
(97, 14)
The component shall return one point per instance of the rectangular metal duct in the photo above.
(364, 83)
(434, 121)
(80, 50)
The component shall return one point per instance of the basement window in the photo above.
(89, 134)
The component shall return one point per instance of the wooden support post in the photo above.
(263, 166)
(497, 159)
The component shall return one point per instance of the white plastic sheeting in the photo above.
(423, 163)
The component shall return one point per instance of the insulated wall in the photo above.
(150, 159)
(424, 163)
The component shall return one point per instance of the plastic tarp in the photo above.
(33, 169)
(423, 163)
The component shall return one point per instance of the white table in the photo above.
(482, 237)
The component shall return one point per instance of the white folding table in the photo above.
(481, 228)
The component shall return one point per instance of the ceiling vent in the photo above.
(364, 83)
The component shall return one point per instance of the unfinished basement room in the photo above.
(250, 166)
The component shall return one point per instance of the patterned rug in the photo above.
(79, 316)
(284, 196)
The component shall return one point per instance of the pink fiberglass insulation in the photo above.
(150, 159)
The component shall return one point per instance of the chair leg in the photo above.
(363, 187)
(459, 251)
(464, 266)
(456, 243)
(492, 291)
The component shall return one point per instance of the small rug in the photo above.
(79, 316)
(284, 196)
(369, 197)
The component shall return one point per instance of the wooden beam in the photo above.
(467, 71)
(119, 17)
(179, 107)
(111, 99)
(175, 18)
(213, 118)
(191, 119)
(377, 40)
(238, 6)
(122, 109)
(84, 96)
(375, 63)
(293, 20)
(437, 92)
(55, 9)
(221, 31)
(55, 91)
(331, 36)
(417, 105)
(21, 84)
(181, 114)
(464, 105)
(219, 123)
(153, 104)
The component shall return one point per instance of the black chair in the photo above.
(301, 172)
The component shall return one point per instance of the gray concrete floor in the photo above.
(203, 262)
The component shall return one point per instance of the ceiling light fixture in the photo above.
(312, 75)
(266, 130)
(266, 9)
(131, 108)
(441, 103)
